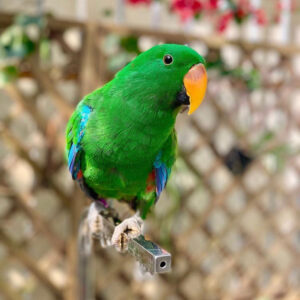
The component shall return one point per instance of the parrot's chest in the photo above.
(113, 179)
(116, 165)
(119, 159)
(125, 146)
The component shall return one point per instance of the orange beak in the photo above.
(195, 82)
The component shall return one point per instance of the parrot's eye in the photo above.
(168, 59)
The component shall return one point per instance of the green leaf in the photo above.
(265, 138)
(130, 44)
(253, 80)
(14, 43)
(8, 74)
(281, 153)
(107, 12)
(198, 16)
(24, 20)
(45, 49)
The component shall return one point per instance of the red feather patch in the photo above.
(79, 175)
(151, 182)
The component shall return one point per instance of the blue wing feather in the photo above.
(73, 161)
(162, 173)
(71, 158)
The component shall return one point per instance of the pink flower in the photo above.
(242, 10)
(224, 21)
(278, 11)
(260, 16)
(138, 1)
(186, 9)
(212, 4)
(244, 5)
(241, 13)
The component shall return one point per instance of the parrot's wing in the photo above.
(162, 172)
(75, 133)
(156, 182)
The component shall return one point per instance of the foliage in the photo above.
(237, 11)
(18, 42)
(228, 11)
(266, 144)
(130, 44)
(8, 74)
(15, 43)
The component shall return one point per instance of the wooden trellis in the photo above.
(232, 236)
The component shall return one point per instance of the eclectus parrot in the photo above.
(121, 140)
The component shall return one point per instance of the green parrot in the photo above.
(121, 140)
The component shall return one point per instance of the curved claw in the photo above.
(129, 229)
(97, 227)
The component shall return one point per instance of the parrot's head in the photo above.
(167, 77)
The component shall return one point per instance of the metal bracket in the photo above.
(152, 258)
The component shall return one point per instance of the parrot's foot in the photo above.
(97, 228)
(129, 229)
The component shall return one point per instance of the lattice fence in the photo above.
(230, 215)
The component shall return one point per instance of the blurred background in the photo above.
(230, 213)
